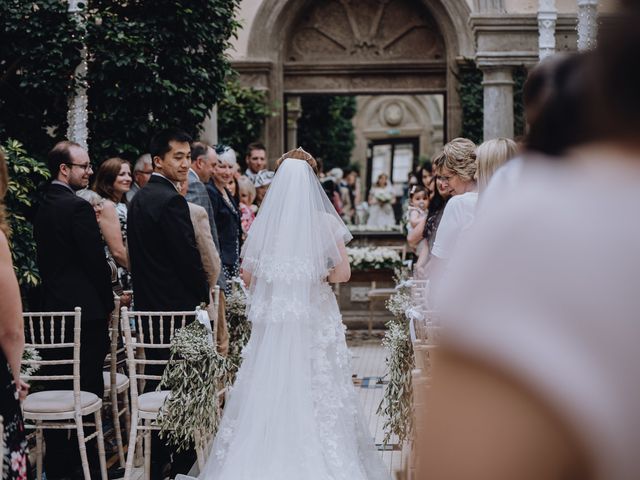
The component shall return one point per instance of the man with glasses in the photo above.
(74, 272)
(142, 171)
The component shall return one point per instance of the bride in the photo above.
(292, 413)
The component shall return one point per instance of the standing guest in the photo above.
(247, 196)
(142, 171)
(14, 463)
(226, 214)
(74, 273)
(112, 183)
(203, 162)
(166, 268)
(381, 200)
(211, 264)
(256, 160)
(457, 166)
(346, 196)
(490, 156)
(262, 182)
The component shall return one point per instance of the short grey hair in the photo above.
(90, 196)
(143, 160)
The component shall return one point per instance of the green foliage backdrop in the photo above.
(39, 50)
(325, 129)
(154, 65)
(25, 175)
(241, 115)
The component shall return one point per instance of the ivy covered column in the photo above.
(497, 84)
(77, 116)
(210, 127)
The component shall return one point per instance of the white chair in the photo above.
(60, 409)
(154, 332)
(116, 383)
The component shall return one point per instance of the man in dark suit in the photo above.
(74, 271)
(166, 268)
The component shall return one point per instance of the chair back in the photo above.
(153, 331)
(56, 337)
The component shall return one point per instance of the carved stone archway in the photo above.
(357, 46)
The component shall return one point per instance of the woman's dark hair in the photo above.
(558, 96)
(437, 202)
(106, 177)
(616, 112)
(236, 195)
(428, 166)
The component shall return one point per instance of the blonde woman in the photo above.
(457, 171)
(14, 464)
(490, 156)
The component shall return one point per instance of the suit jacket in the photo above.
(71, 256)
(227, 221)
(204, 242)
(197, 194)
(166, 269)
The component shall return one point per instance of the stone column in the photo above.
(294, 110)
(210, 127)
(77, 115)
(587, 24)
(547, 17)
(498, 101)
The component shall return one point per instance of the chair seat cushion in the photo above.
(121, 380)
(152, 401)
(57, 401)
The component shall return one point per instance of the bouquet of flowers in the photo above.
(383, 197)
(373, 258)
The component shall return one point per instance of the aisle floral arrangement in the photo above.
(238, 325)
(373, 258)
(374, 228)
(196, 373)
(396, 404)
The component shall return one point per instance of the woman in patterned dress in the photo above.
(12, 389)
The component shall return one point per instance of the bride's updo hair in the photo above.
(299, 154)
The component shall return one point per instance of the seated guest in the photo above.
(226, 214)
(247, 194)
(112, 182)
(142, 171)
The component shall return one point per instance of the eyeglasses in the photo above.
(86, 166)
(142, 172)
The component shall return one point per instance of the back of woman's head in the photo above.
(490, 156)
(616, 112)
(106, 177)
(299, 154)
(557, 95)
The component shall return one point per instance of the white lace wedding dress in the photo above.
(292, 413)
